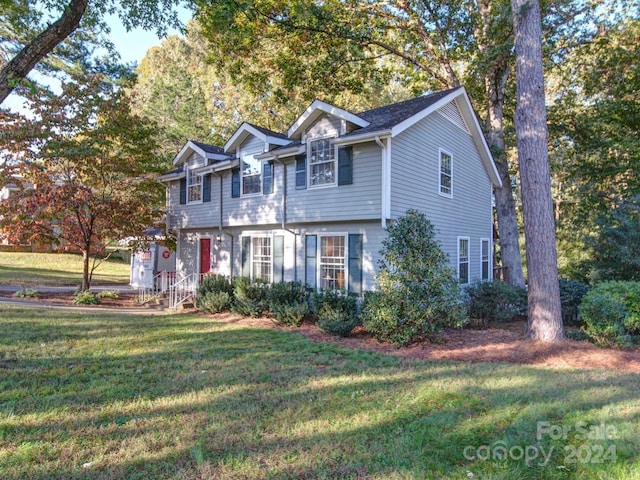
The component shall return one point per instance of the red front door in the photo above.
(205, 255)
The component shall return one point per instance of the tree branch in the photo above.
(20, 65)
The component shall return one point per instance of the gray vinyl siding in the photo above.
(358, 201)
(325, 126)
(415, 155)
(193, 215)
(227, 255)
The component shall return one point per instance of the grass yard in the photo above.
(183, 397)
(56, 269)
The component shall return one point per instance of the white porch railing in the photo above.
(183, 289)
(161, 284)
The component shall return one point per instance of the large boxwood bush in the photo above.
(418, 293)
(611, 313)
(288, 302)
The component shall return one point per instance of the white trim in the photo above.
(316, 109)
(319, 236)
(468, 239)
(196, 172)
(450, 155)
(489, 258)
(351, 139)
(283, 153)
(252, 194)
(246, 130)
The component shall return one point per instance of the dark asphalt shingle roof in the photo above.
(209, 148)
(268, 132)
(387, 117)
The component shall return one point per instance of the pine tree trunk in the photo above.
(24, 61)
(545, 319)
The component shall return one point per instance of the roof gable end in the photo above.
(247, 129)
(318, 108)
(210, 152)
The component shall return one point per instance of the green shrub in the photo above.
(250, 298)
(288, 302)
(418, 293)
(337, 312)
(290, 315)
(215, 302)
(26, 293)
(571, 294)
(611, 313)
(496, 301)
(108, 294)
(214, 284)
(86, 297)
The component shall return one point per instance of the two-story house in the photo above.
(312, 204)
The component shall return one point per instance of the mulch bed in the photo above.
(504, 343)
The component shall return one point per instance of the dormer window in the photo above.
(250, 175)
(322, 162)
(194, 182)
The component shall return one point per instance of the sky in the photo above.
(131, 46)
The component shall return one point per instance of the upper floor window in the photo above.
(322, 162)
(251, 169)
(194, 183)
(446, 174)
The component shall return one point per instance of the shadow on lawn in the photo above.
(186, 398)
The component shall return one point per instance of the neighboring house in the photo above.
(312, 204)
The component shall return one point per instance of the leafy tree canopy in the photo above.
(84, 165)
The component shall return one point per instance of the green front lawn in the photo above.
(56, 269)
(89, 396)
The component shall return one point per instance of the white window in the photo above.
(446, 174)
(322, 162)
(251, 169)
(485, 257)
(463, 259)
(332, 262)
(261, 258)
(194, 182)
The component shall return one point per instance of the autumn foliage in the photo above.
(84, 168)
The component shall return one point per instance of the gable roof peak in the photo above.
(317, 109)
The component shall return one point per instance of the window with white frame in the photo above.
(194, 182)
(322, 162)
(463, 259)
(251, 169)
(446, 174)
(332, 262)
(261, 258)
(485, 257)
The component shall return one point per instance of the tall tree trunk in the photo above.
(545, 319)
(20, 65)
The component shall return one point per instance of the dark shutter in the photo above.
(355, 263)
(206, 188)
(183, 191)
(246, 260)
(267, 178)
(301, 172)
(278, 259)
(345, 165)
(235, 183)
(311, 246)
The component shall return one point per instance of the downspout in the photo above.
(385, 180)
(221, 231)
(283, 224)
